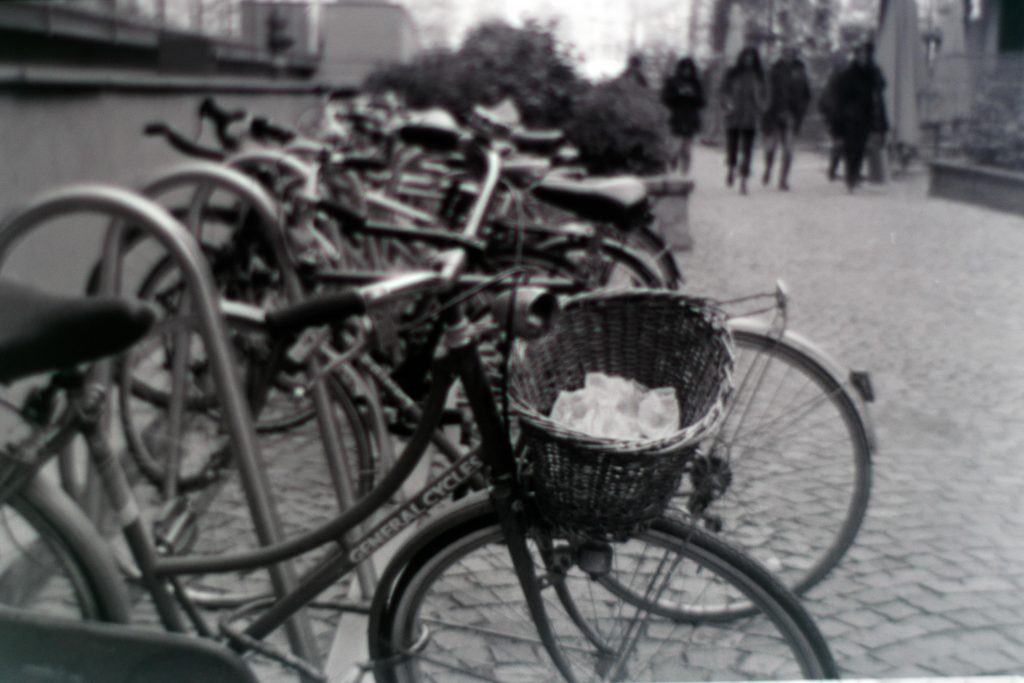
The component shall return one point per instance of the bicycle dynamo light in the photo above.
(534, 310)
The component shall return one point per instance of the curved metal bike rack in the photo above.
(208, 177)
(129, 208)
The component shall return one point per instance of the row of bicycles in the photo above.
(414, 291)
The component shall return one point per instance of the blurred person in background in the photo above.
(683, 94)
(860, 109)
(789, 95)
(635, 70)
(828, 105)
(743, 99)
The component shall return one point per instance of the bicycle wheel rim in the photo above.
(477, 625)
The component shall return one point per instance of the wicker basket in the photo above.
(605, 488)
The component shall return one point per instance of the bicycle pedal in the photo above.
(176, 529)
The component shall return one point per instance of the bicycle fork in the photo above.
(496, 448)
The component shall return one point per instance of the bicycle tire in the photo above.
(618, 265)
(54, 561)
(807, 425)
(460, 581)
(644, 239)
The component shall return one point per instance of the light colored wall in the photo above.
(50, 140)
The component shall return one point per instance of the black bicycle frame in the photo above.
(495, 454)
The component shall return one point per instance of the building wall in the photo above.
(62, 121)
(50, 138)
(300, 24)
(358, 36)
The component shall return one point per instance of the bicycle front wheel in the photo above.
(788, 475)
(459, 614)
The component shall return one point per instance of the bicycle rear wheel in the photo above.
(458, 613)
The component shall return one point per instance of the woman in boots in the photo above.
(743, 99)
(789, 94)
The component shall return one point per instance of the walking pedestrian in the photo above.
(789, 94)
(743, 97)
(635, 70)
(861, 111)
(828, 105)
(683, 94)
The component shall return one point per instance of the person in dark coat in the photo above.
(829, 108)
(789, 95)
(860, 109)
(743, 99)
(683, 94)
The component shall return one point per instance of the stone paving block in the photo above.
(835, 629)
(895, 610)
(989, 662)
(863, 618)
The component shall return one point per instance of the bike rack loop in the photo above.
(134, 209)
(206, 176)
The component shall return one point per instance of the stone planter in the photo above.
(671, 200)
(993, 188)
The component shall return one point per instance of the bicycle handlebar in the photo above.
(221, 119)
(217, 114)
(182, 143)
(334, 308)
(264, 129)
(322, 310)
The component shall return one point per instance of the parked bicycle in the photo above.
(595, 606)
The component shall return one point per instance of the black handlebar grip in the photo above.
(329, 309)
(266, 129)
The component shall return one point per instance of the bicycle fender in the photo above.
(859, 396)
(474, 509)
(54, 504)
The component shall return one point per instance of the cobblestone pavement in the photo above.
(924, 293)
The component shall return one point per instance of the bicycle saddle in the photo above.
(620, 200)
(41, 649)
(538, 141)
(41, 332)
(434, 129)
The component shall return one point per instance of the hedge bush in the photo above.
(619, 127)
(496, 61)
(994, 134)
